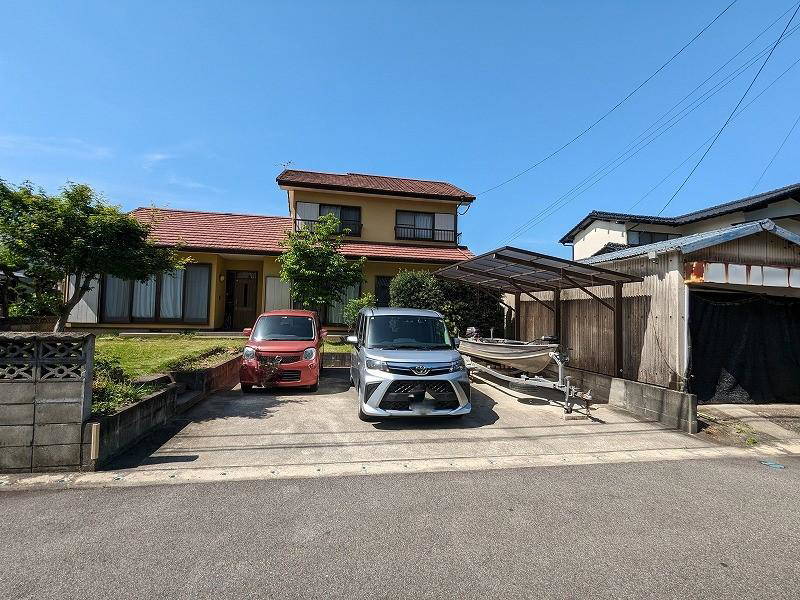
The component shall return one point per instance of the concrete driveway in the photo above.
(287, 433)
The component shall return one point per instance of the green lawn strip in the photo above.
(336, 348)
(143, 356)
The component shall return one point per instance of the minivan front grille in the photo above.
(399, 369)
(401, 394)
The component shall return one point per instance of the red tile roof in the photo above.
(374, 184)
(260, 234)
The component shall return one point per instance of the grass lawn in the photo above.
(141, 356)
(336, 348)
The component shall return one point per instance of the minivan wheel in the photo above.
(314, 387)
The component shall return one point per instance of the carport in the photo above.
(516, 271)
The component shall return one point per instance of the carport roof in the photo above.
(514, 270)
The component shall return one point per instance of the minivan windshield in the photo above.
(280, 327)
(396, 332)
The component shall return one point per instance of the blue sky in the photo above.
(197, 105)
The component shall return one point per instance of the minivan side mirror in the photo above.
(323, 333)
(351, 339)
(456, 342)
(247, 331)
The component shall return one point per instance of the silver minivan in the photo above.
(404, 363)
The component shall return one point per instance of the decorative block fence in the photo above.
(45, 397)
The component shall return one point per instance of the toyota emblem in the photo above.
(420, 370)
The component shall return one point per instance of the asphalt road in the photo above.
(702, 529)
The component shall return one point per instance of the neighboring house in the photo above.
(718, 312)
(600, 231)
(395, 223)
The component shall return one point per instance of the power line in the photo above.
(735, 108)
(774, 156)
(611, 110)
(563, 200)
(639, 143)
(680, 115)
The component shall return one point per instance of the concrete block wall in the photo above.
(45, 397)
(670, 407)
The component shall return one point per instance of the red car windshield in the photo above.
(280, 327)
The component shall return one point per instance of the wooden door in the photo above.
(245, 292)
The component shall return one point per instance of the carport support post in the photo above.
(618, 354)
(557, 315)
(517, 316)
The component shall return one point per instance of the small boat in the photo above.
(531, 357)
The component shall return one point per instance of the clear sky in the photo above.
(197, 104)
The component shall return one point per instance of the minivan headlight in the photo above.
(309, 353)
(457, 365)
(249, 353)
(376, 365)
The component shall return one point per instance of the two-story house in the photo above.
(600, 232)
(395, 223)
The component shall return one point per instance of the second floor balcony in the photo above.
(426, 234)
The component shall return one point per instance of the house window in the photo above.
(642, 238)
(382, 283)
(335, 310)
(144, 300)
(436, 227)
(116, 300)
(308, 213)
(180, 296)
(349, 217)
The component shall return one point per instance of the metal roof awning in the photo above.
(516, 271)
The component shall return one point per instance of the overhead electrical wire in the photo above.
(611, 110)
(563, 200)
(735, 108)
(632, 147)
(686, 110)
(774, 156)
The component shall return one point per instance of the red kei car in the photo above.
(284, 349)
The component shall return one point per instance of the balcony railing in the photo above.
(408, 232)
(351, 228)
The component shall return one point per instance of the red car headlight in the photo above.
(309, 353)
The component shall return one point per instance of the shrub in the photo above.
(356, 304)
(416, 289)
(111, 391)
(462, 305)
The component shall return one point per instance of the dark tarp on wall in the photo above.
(745, 348)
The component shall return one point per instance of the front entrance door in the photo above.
(241, 292)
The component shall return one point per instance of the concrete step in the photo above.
(157, 379)
(187, 400)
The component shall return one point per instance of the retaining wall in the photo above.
(670, 407)
(45, 397)
(106, 437)
(219, 377)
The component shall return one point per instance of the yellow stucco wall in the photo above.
(377, 213)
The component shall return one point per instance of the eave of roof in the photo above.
(698, 241)
(745, 204)
(261, 235)
(381, 185)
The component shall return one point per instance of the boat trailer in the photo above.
(522, 383)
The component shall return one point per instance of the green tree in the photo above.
(76, 234)
(353, 306)
(312, 263)
(416, 289)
